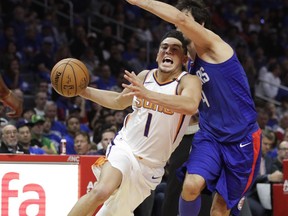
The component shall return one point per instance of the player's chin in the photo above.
(165, 69)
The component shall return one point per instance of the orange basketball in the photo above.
(69, 77)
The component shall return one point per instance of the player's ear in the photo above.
(157, 57)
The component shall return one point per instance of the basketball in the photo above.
(69, 77)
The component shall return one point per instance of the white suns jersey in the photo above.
(153, 131)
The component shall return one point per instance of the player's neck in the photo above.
(166, 76)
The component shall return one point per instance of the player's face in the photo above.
(170, 56)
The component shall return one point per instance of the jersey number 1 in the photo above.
(147, 126)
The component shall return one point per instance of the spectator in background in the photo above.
(140, 62)
(31, 45)
(82, 144)
(79, 106)
(43, 61)
(73, 127)
(93, 42)
(251, 73)
(3, 123)
(50, 112)
(143, 33)
(266, 175)
(63, 106)
(94, 115)
(107, 136)
(91, 60)
(283, 125)
(6, 36)
(19, 21)
(282, 155)
(12, 76)
(130, 51)
(263, 118)
(38, 137)
(106, 80)
(40, 102)
(115, 61)
(269, 82)
(44, 86)
(119, 116)
(51, 135)
(273, 121)
(119, 80)
(62, 52)
(9, 54)
(283, 108)
(106, 41)
(76, 111)
(79, 42)
(28, 113)
(9, 141)
(25, 137)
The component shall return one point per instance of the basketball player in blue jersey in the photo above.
(225, 152)
(163, 100)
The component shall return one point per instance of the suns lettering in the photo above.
(151, 106)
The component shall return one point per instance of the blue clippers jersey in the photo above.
(227, 109)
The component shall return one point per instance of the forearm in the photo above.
(163, 10)
(176, 103)
(188, 26)
(108, 99)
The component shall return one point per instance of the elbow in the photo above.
(180, 20)
(192, 110)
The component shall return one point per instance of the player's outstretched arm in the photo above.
(108, 99)
(10, 100)
(206, 42)
(186, 102)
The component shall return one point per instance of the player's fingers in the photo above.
(131, 75)
(131, 87)
(129, 94)
(130, 79)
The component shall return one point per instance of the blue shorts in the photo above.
(228, 168)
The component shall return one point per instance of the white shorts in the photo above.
(137, 183)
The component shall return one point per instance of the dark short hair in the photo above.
(198, 9)
(179, 36)
(269, 134)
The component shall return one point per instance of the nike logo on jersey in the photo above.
(147, 82)
(156, 177)
(244, 144)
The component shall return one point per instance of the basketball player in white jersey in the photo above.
(163, 100)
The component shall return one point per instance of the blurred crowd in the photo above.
(33, 38)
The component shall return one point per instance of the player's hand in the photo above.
(14, 103)
(137, 88)
(276, 176)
